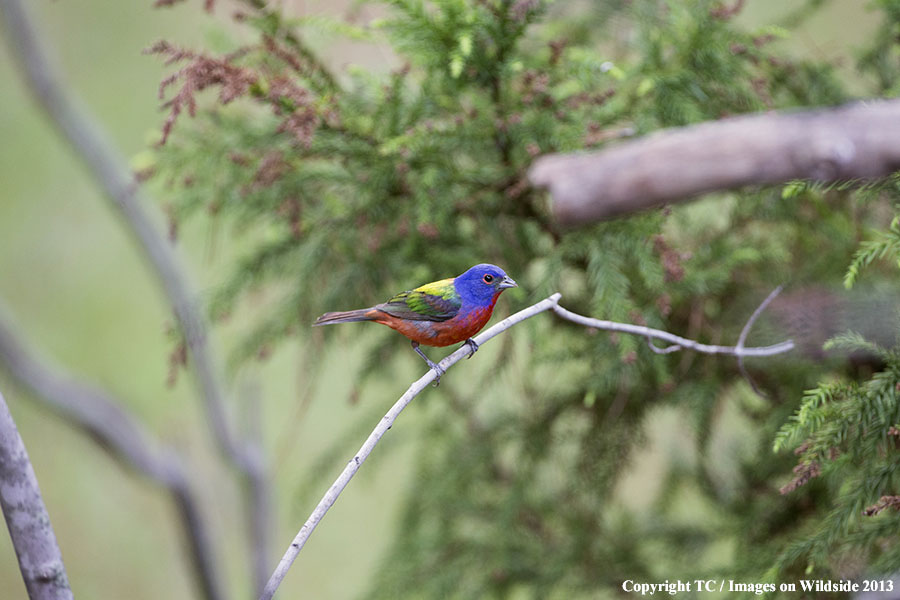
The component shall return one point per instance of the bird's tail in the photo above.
(347, 316)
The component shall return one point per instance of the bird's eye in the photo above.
(488, 278)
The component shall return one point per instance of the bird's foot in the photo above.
(431, 364)
(473, 345)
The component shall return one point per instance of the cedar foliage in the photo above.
(348, 187)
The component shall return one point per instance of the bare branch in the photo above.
(259, 508)
(117, 432)
(40, 560)
(666, 350)
(551, 303)
(112, 174)
(677, 342)
(386, 422)
(856, 141)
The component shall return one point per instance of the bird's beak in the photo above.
(507, 282)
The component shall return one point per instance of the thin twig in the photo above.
(113, 175)
(103, 419)
(666, 350)
(678, 342)
(386, 422)
(40, 560)
(746, 331)
(551, 303)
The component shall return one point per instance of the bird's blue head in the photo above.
(481, 284)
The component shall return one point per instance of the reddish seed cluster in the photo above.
(295, 104)
(522, 9)
(200, 73)
(726, 12)
(803, 473)
(671, 260)
(207, 4)
(883, 503)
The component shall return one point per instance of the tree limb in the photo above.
(40, 560)
(118, 433)
(856, 141)
(111, 173)
(551, 303)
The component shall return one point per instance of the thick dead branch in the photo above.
(40, 560)
(857, 141)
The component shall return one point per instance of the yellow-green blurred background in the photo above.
(81, 294)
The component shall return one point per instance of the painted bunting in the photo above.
(439, 313)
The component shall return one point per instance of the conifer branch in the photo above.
(318, 72)
(856, 141)
(112, 174)
(102, 418)
(551, 303)
(40, 560)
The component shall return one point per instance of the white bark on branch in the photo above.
(40, 560)
(856, 141)
(123, 437)
(551, 303)
(677, 342)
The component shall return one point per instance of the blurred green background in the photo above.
(82, 295)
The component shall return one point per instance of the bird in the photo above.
(439, 313)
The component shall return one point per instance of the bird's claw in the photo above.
(431, 364)
(440, 372)
(437, 369)
(473, 345)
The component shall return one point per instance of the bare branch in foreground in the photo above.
(113, 175)
(123, 437)
(855, 141)
(551, 303)
(259, 508)
(116, 179)
(40, 560)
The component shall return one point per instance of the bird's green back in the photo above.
(435, 301)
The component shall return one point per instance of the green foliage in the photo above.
(886, 243)
(347, 190)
